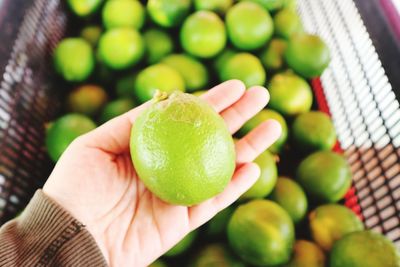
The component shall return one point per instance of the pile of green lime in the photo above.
(170, 51)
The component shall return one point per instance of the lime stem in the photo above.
(159, 96)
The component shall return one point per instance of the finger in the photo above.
(113, 136)
(244, 177)
(257, 141)
(225, 94)
(252, 102)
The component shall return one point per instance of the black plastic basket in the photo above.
(355, 90)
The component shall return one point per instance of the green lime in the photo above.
(217, 225)
(262, 116)
(249, 26)
(87, 99)
(290, 94)
(125, 86)
(307, 55)
(364, 249)
(272, 55)
(290, 196)
(261, 233)
(325, 176)
(91, 34)
(157, 77)
(115, 108)
(268, 176)
(74, 59)
(270, 5)
(245, 67)
(182, 246)
(83, 8)
(121, 48)
(194, 165)
(203, 34)
(220, 61)
(331, 222)
(158, 263)
(313, 131)
(287, 23)
(168, 13)
(158, 45)
(215, 255)
(307, 254)
(64, 130)
(217, 6)
(123, 13)
(290, 4)
(192, 71)
(199, 93)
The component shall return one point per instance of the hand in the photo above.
(96, 182)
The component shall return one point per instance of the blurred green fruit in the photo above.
(215, 255)
(290, 95)
(245, 67)
(158, 263)
(249, 26)
(83, 8)
(192, 71)
(199, 93)
(157, 77)
(168, 13)
(217, 6)
(272, 56)
(123, 13)
(182, 246)
(270, 5)
(287, 23)
(158, 45)
(87, 99)
(121, 48)
(74, 59)
(216, 227)
(91, 34)
(222, 58)
(64, 130)
(325, 176)
(307, 55)
(307, 254)
(203, 34)
(115, 108)
(290, 196)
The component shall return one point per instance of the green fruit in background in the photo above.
(87, 99)
(307, 55)
(74, 59)
(249, 26)
(121, 48)
(158, 45)
(364, 249)
(313, 131)
(289, 94)
(157, 77)
(272, 55)
(270, 5)
(123, 13)
(125, 86)
(267, 180)
(91, 34)
(64, 130)
(290, 196)
(168, 13)
(199, 93)
(306, 254)
(217, 6)
(325, 176)
(217, 225)
(287, 22)
(220, 61)
(261, 233)
(203, 34)
(192, 71)
(262, 116)
(115, 108)
(182, 150)
(83, 8)
(331, 222)
(290, 4)
(215, 255)
(158, 263)
(182, 246)
(245, 67)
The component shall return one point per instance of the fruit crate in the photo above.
(360, 90)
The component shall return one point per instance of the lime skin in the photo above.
(168, 13)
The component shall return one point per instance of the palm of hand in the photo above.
(96, 182)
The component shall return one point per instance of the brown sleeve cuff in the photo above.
(47, 235)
